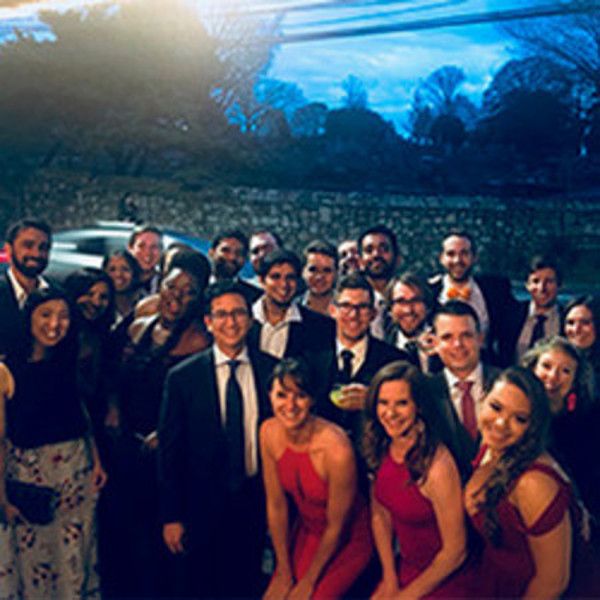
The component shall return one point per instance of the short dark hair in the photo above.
(379, 230)
(414, 281)
(134, 265)
(461, 233)
(321, 247)
(222, 288)
(544, 261)
(270, 232)
(236, 234)
(298, 370)
(279, 257)
(457, 308)
(354, 281)
(27, 223)
(143, 228)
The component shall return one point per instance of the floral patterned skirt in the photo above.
(56, 560)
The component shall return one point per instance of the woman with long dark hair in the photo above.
(49, 552)
(518, 498)
(417, 495)
(310, 460)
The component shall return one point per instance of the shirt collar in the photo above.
(221, 358)
(20, 293)
(291, 314)
(532, 312)
(359, 349)
(475, 375)
(447, 283)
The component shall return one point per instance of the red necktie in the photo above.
(468, 408)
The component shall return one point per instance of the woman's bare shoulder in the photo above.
(7, 382)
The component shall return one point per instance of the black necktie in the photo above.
(234, 428)
(346, 374)
(412, 350)
(538, 330)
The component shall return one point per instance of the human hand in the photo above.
(150, 443)
(353, 396)
(112, 421)
(426, 342)
(99, 476)
(386, 590)
(173, 537)
(279, 587)
(303, 590)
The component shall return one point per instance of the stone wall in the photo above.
(506, 230)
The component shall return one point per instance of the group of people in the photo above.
(331, 428)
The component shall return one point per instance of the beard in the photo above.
(464, 276)
(225, 269)
(385, 271)
(32, 268)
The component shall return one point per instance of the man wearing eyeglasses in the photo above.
(354, 355)
(211, 495)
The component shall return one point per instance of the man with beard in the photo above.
(541, 316)
(379, 259)
(228, 254)
(27, 245)
(410, 305)
(489, 295)
(283, 328)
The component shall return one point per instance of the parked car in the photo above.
(86, 246)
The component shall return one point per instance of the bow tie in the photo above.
(459, 294)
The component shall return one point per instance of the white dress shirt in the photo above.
(19, 291)
(274, 338)
(551, 327)
(359, 352)
(477, 391)
(476, 300)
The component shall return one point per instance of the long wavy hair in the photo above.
(583, 382)
(518, 457)
(376, 442)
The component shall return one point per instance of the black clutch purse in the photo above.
(35, 502)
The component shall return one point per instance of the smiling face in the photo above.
(557, 371)
(353, 312)
(229, 322)
(458, 343)
(228, 257)
(377, 258)
(120, 272)
(319, 273)
(291, 405)
(280, 284)
(147, 249)
(542, 284)
(457, 258)
(505, 416)
(395, 409)
(580, 328)
(408, 308)
(29, 251)
(95, 301)
(179, 293)
(49, 323)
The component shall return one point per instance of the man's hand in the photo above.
(173, 536)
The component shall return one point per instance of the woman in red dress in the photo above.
(518, 498)
(311, 462)
(417, 495)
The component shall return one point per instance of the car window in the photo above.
(92, 245)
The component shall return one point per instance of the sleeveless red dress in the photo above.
(507, 569)
(309, 492)
(416, 530)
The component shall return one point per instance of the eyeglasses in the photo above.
(347, 308)
(236, 314)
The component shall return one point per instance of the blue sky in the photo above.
(390, 65)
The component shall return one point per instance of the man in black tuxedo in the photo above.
(27, 245)
(462, 385)
(211, 495)
(353, 355)
(489, 295)
(541, 316)
(228, 254)
(282, 327)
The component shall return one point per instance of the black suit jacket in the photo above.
(454, 434)
(193, 452)
(500, 304)
(312, 334)
(12, 330)
(325, 369)
(252, 292)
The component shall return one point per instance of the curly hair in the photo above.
(376, 442)
(583, 382)
(515, 459)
